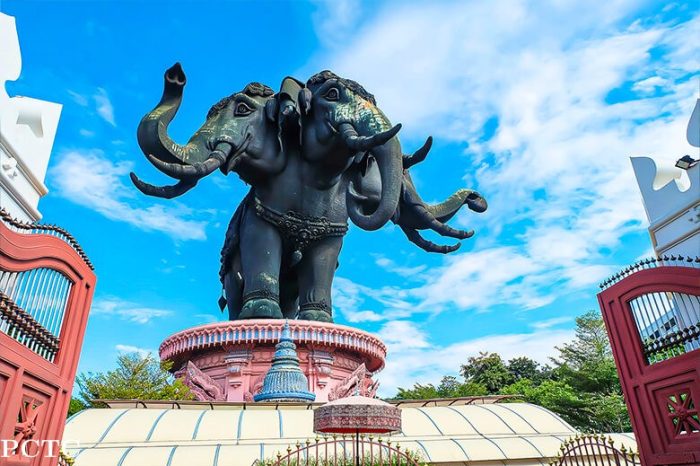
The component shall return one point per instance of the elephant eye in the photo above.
(332, 94)
(242, 109)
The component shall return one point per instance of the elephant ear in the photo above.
(271, 109)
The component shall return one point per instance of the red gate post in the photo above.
(47, 284)
(652, 314)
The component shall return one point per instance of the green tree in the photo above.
(489, 370)
(450, 387)
(586, 363)
(76, 405)
(524, 368)
(606, 413)
(472, 389)
(582, 386)
(554, 395)
(137, 377)
(418, 392)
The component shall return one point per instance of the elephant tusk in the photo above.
(165, 192)
(198, 170)
(419, 155)
(358, 143)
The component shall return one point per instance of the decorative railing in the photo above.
(18, 324)
(651, 263)
(39, 228)
(668, 322)
(268, 331)
(652, 314)
(594, 450)
(344, 451)
(35, 288)
(46, 288)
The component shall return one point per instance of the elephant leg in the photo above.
(289, 295)
(261, 252)
(315, 272)
(233, 286)
(415, 237)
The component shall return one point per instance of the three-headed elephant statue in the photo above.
(316, 155)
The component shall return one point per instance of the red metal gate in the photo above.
(594, 450)
(46, 287)
(345, 451)
(652, 313)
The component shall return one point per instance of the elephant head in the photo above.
(414, 214)
(342, 124)
(239, 134)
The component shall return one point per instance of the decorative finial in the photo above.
(286, 332)
(285, 381)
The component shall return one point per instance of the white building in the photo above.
(27, 131)
(448, 432)
(671, 198)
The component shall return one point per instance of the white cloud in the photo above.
(557, 169)
(103, 106)
(347, 298)
(79, 98)
(549, 323)
(401, 335)
(89, 179)
(336, 19)
(390, 265)
(206, 318)
(412, 357)
(169, 268)
(125, 310)
(135, 349)
(363, 316)
(649, 84)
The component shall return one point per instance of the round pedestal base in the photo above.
(227, 361)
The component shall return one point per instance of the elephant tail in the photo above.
(446, 209)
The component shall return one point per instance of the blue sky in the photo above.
(538, 105)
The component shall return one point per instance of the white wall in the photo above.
(671, 199)
(27, 131)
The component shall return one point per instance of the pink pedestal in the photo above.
(227, 361)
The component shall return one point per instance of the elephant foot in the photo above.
(313, 314)
(260, 308)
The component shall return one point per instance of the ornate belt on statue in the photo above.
(298, 229)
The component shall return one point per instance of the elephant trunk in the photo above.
(152, 133)
(386, 149)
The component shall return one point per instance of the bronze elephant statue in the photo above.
(304, 151)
